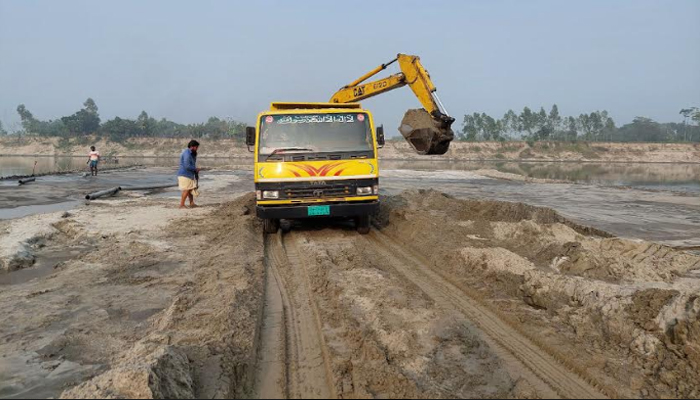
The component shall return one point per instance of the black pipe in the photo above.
(103, 193)
(28, 180)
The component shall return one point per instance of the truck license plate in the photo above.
(317, 211)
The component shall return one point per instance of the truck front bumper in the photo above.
(342, 210)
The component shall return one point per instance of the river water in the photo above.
(20, 166)
(659, 202)
(670, 177)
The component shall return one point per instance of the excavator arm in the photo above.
(427, 130)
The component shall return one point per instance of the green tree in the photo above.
(687, 114)
(609, 128)
(643, 129)
(146, 124)
(541, 118)
(90, 106)
(596, 123)
(554, 118)
(89, 117)
(528, 121)
(236, 130)
(3, 132)
(542, 129)
(572, 129)
(470, 130)
(84, 122)
(510, 123)
(27, 118)
(215, 128)
(119, 129)
(491, 128)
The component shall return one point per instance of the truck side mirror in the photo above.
(381, 141)
(250, 137)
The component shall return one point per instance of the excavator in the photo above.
(427, 130)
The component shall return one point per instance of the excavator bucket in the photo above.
(427, 134)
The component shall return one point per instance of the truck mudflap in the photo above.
(341, 210)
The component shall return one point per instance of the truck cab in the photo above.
(316, 160)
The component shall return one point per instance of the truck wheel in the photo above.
(286, 226)
(363, 224)
(271, 226)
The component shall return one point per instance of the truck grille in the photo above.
(319, 192)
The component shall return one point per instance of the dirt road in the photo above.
(445, 298)
(305, 365)
(524, 304)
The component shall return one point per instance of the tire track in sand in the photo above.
(293, 361)
(522, 357)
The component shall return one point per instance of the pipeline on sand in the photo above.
(103, 193)
(27, 180)
(115, 190)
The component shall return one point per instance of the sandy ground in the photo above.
(132, 297)
(394, 150)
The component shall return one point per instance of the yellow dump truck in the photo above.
(320, 159)
(316, 160)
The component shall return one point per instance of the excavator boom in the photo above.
(427, 130)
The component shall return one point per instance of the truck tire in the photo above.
(363, 224)
(271, 226)
(286, 226)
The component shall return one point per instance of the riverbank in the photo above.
(394, 150)
(131, 297)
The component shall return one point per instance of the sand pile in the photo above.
(582, 294)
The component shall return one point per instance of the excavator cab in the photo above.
(429, 129)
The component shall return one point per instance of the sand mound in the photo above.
(162, 374)
(568, 285)
(211, 325)
(168, 307)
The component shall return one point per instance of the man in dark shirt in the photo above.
(188, 174)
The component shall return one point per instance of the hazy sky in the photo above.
(189, 60)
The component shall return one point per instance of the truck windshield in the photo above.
(315, 133)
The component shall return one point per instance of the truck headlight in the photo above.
(364, 191)
(271, 194)
(375, 188)
(258, 194)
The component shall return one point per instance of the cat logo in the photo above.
(359, 91)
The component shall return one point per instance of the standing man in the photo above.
(187, 175)
(93, 160)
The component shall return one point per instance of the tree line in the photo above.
(527, 125)
(86, 122)
(597, 126)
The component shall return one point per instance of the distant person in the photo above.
(188, 174)
(93, 160)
